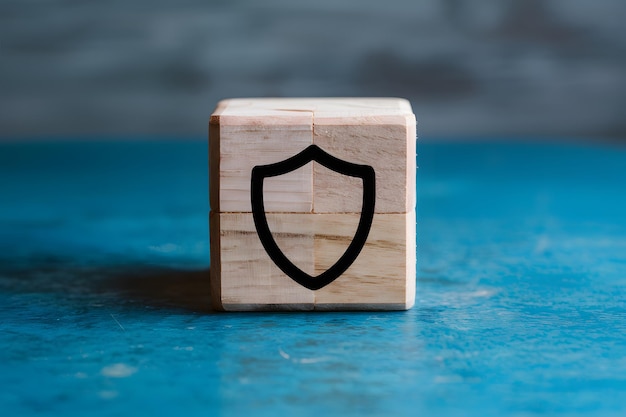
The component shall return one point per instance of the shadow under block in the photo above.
(313, 211)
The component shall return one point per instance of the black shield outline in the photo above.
(317, 154)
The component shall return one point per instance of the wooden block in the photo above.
(382, 277)
(240, 140)
(245, 278)
(387, 143)
(249, 132)
(312, 204)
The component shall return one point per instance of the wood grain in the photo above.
(379, 132)
(240, 142)
(313, 211)
(343, 107)
(381, 278)
(247, 278)
(387, 143)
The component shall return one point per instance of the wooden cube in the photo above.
(312, 204)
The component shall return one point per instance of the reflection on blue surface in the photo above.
(521, 303)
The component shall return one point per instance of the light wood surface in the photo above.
(246, 276)
(247, 132)
(382, 277)
(238, 144)
(386, 143)
(232, 110)
(313, 211)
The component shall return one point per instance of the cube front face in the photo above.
(313, 212)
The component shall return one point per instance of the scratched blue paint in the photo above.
(521, 302)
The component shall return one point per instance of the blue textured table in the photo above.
(521, 299)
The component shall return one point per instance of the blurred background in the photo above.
(471, 68)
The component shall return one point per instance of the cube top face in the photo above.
(315, 210)
(243, 111)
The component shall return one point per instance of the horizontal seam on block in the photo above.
(310, 212)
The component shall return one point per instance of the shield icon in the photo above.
(317, 154)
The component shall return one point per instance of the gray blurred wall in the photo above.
(480, 67)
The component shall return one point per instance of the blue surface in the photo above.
(521, 295)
